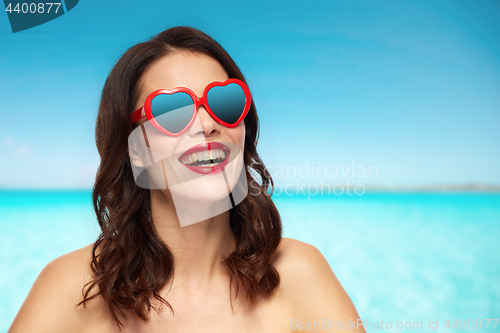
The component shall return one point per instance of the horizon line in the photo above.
(431, 188)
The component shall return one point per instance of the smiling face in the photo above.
(185, 160)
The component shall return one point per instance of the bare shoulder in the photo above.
(297, 261)
(51, 305)
(292, 252)
(309, 283)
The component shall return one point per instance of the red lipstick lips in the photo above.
(206, 157)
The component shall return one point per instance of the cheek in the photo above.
(161, 145)
(237, 134)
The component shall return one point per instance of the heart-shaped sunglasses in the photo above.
(173, 111)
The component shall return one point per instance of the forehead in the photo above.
(182, 69)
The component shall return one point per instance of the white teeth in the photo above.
(204, 156)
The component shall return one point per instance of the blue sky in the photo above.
(408, 87)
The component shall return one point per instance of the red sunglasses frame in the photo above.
(145, 111)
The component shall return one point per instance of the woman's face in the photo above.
(194, 71)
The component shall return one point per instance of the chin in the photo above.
(209, 188)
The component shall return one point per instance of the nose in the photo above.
(204, 124)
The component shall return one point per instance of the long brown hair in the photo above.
(130, 262)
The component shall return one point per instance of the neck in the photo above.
(198, 248)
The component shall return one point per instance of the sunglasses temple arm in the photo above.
(138, 114)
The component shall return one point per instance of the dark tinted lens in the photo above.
(227, 102)
(173, 112)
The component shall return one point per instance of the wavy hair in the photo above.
(130, 262)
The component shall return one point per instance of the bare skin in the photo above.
(199, 294)
(309, 292)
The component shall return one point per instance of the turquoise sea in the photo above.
(402, 257)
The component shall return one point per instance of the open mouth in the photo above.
(207, 157)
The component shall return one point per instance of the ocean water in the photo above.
(402, 258)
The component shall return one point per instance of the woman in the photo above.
(147, 272)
